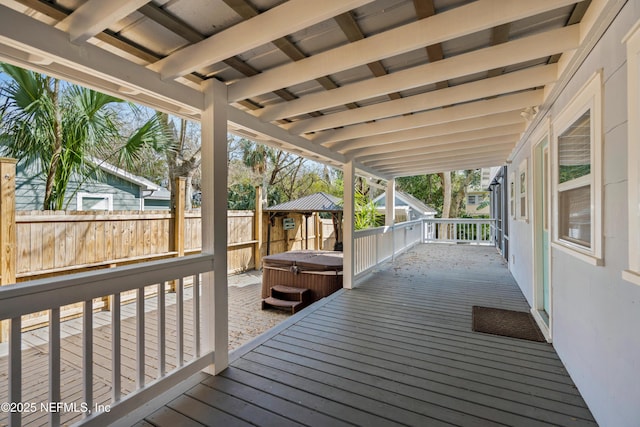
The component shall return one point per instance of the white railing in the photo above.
(173, 362)
(474, 231)
(374, 246)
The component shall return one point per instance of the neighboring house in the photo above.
(407, 207)
(111, 189)
(477, 201)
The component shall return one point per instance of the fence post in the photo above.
(177, 222)
(257, 229)
(8, 252)
(178, 216)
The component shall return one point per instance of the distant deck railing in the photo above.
(54, 293)
(373, 246)
(459, 230)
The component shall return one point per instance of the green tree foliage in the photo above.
(283, 176)
(430, 189)
(58, 128)
(366, 213)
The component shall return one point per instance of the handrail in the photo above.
(52, 293)
(44, 294)
(480, 231)
(376, 245)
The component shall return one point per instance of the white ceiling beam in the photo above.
(446, 165)
(95, 16)
(477, 164)
(289, 17)
(502, 55)
(485, 88)
(23, 36)
(454, 23)
(478, 123)
(505, 140)
(425, 144)
(457, 154)
(459, 112)
(452, 153)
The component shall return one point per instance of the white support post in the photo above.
(348, 267)
(390, 203)
(215, 308)
(390, 213)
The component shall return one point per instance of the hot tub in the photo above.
(318, 271)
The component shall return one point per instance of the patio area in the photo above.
(397, 350)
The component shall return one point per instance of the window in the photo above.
(574, 182)
(522, 190)
(471, 200)
(512, 195)
(94, 202)
(577, 170)
(632, 274)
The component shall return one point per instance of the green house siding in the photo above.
(125, 194)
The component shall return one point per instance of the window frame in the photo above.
(105, 196)
(522, 191)
(632, 40)
(512, 194)
(588, 98)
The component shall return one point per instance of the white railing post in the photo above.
(456, 230)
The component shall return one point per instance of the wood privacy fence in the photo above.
(51, 243)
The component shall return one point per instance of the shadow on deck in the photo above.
(397, 350)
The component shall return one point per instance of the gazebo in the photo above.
(318, 202)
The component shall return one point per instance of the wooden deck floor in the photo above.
(398, 350)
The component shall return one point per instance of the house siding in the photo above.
(30, 191)
(595, 313)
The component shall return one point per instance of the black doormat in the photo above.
(508, 323)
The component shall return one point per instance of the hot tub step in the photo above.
(290, 293)
(287, 297)
(294, 306)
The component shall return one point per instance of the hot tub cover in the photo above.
(306, 260)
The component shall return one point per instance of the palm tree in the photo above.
(57, 127)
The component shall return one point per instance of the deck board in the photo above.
(399, 350)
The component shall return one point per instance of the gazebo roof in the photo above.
(318, 202)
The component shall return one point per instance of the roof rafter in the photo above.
(514, 52)
(443, 165)
(482, 146)
(470, 146)
(485, 88)
(446, 167)
(95, 16)
(400, 147)
(478, 123)
(91, 65)
(454, 23)
(433, 117)
(285, 19)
